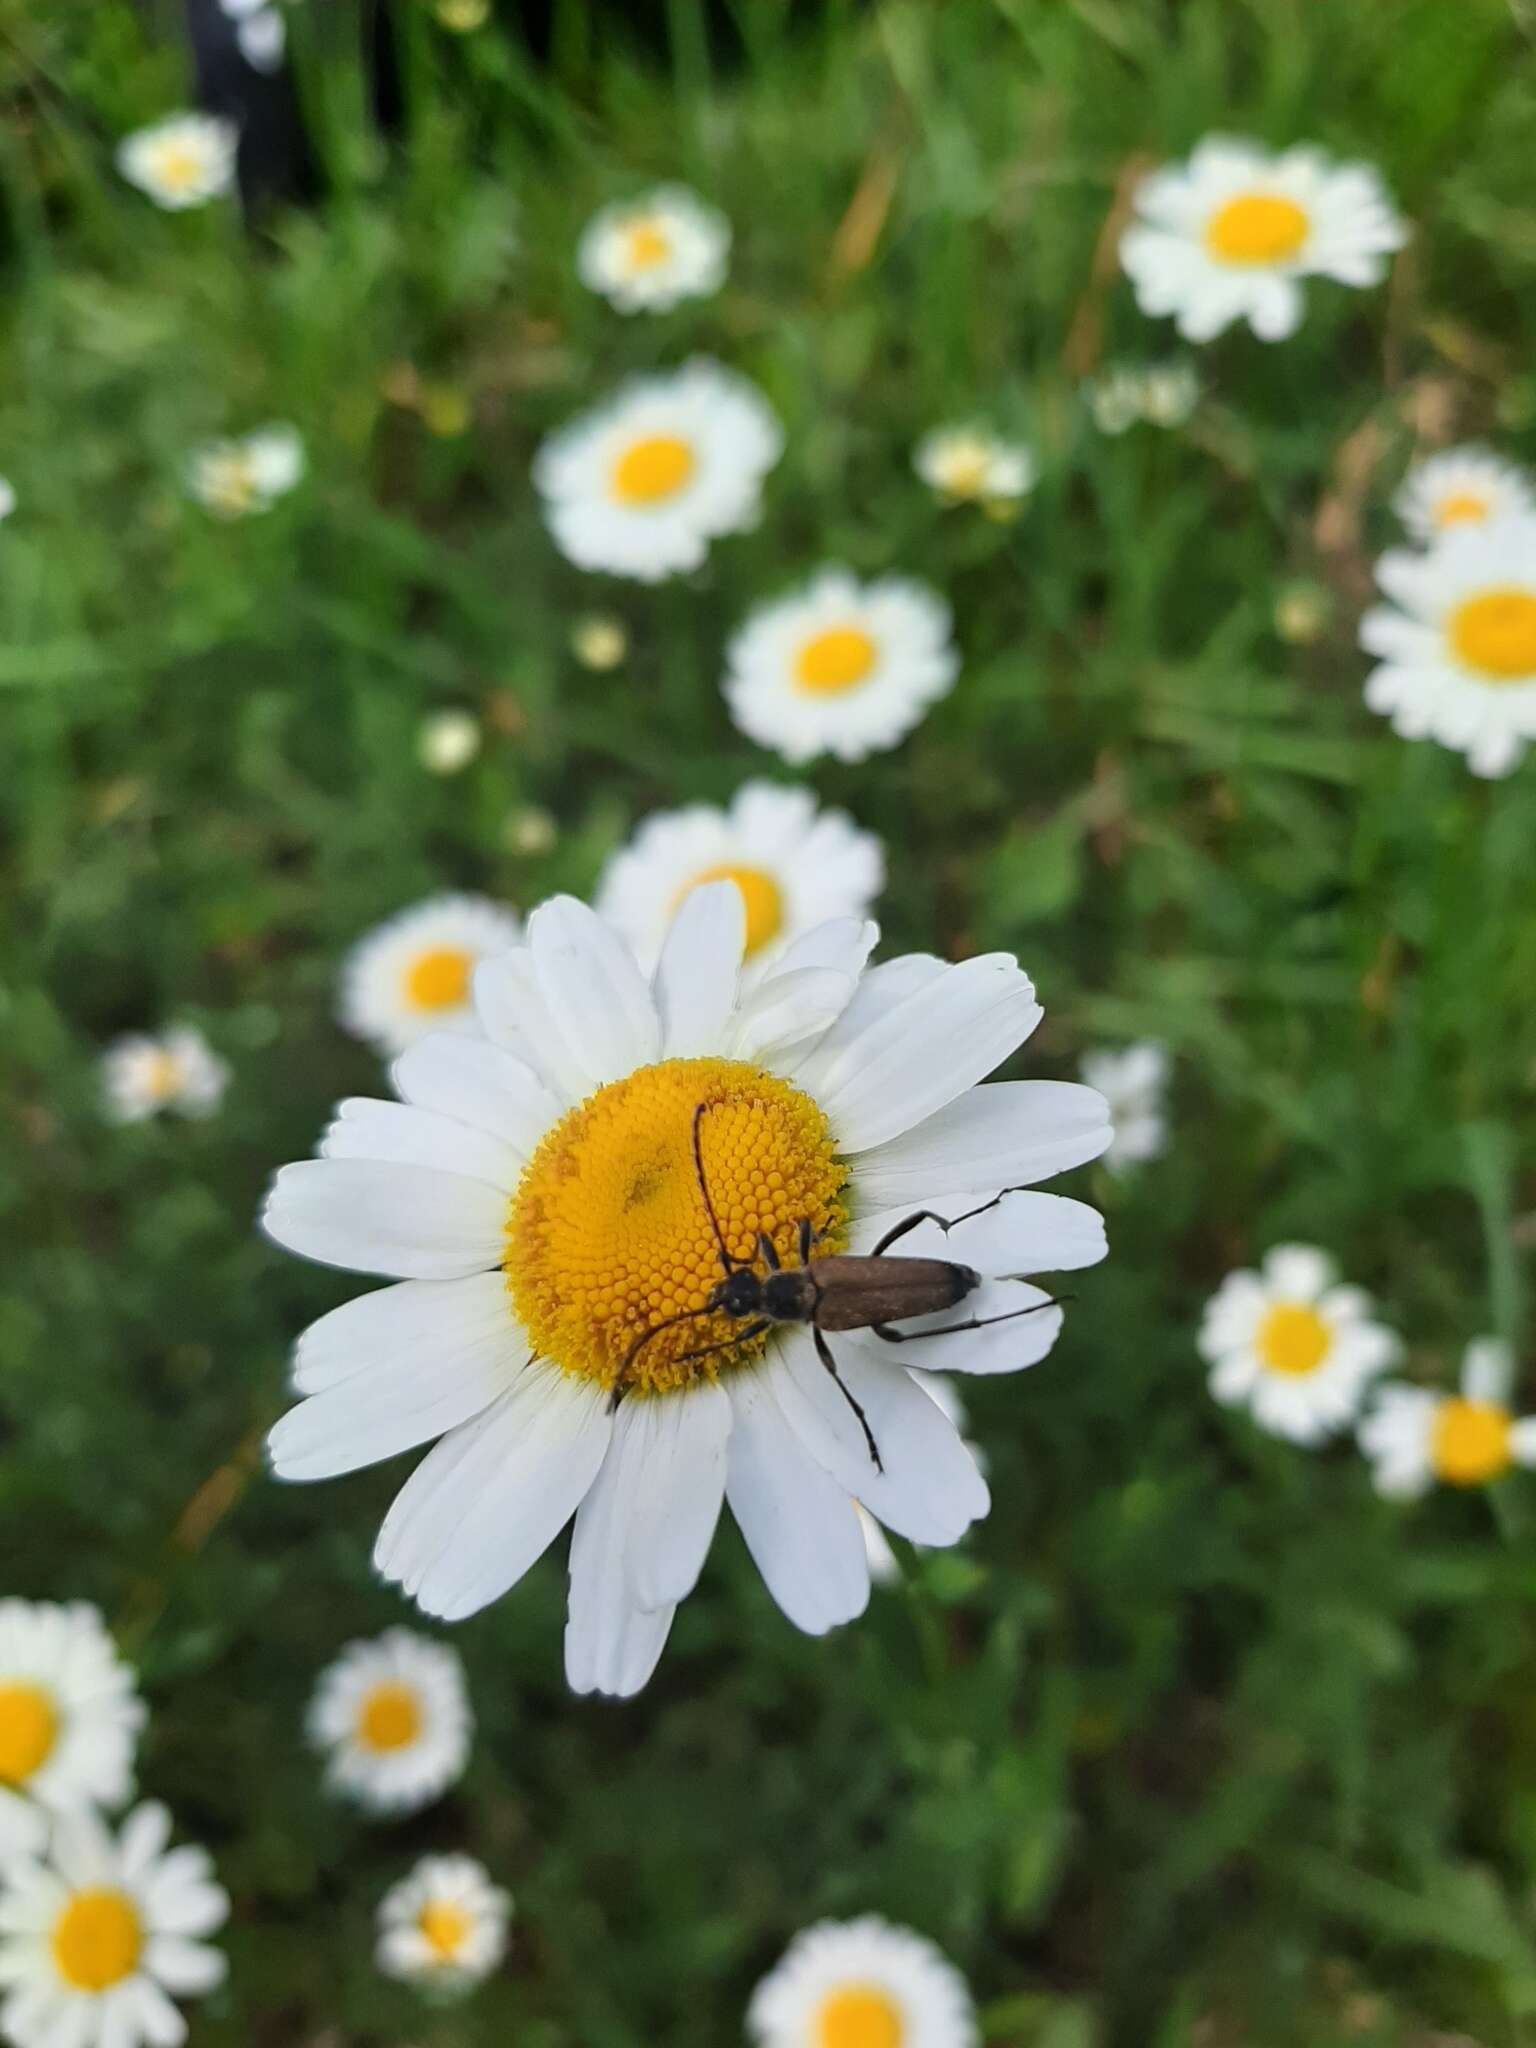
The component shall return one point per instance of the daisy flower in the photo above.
(7, 498)
(448, 741)
(260, 32)
(794, 865)
(69, 1718)
(1457, 644)
(1293, 1346)
(1462, 487)
(645, 255)
(862, 1984)
(539, 1194)
(444, 1927)
(840, 667)
(146, 1072)
(972, 464)
(1230, 234)
(883, 1568)
(412, 974)
(394, 1719)
(641, 485)
(1133, 1083)
(101, 1933)
(1417, 1438)
(231, 479)
(183, 161)
(599, 643)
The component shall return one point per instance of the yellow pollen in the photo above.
(838, 659)
(1294, 1339)
(860, 2016)
(445, 1928)
(96, 1939)
(760, 893)
(389, 1719)
(608, 1234)
(1256, 228)
(1495, 633)
(646, 244)
(439, 980)
(1462, 508)
(1471, 1442)
(29, 1727)
(653, 469)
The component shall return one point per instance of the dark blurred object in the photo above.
(243, 74)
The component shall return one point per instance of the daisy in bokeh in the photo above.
(448, 741)
(840, 667)
(444, 1927)
(1462, 487)
(1155, 394)
(1417, 1437)
(1230, 234)
(183, 161)
(412, 974)
(145, 1072)
(260, 32)
(1292, 1346)
(795, 866)
(232, 479)
(69, 1718)
(599, 642)
(973, 465)
(1457, 642)
(393, 1717)
(883, 1567)
(641, 485)
(1133, 1082)
(539, 1198)
(7, 498)
(647, 254)
(862, 1984)
(101, 1932)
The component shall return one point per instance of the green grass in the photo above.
(1195, 1741)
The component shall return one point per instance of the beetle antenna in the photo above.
(709, 1208)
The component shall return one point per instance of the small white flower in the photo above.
(862, 1984)
(413, 973)
(1457, 643)
(1417, 1438)
(599, 643)
(444, 1927)
(647, 254)
(642, 484)
(840, 667)
(448, 741)
(940, 1389)
(7, 498)
(1169, 393)
(145, 1073)
(1462, 487)
(794, 865)
(393, 1717)
(101, 1933)
(973, 464)
(234, 478)
(183, 161)
(1293, 1346)
(263, 39)
(1230, 234)
(1133, 1083)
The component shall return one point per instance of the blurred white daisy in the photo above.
(234, 478)
(795, 866)
(599, 643)
(393, 1717)
(448, 741)
(642, 484)
(7, 498)
(1230, 234)
(1133, 1082)
(183, 161)
(98, 1935)
(972, 464)
(862, 1984)
(647, 254)
(444, 1927)
(1154, 394)
(69, 1718)
(1457, 643)
(883, 1568)
(1462, 487)
(539, 1198)
(144, 1073)
(1417, 1438)
(1293, 1346)
(412, 973)
(840, 667)
(260, 32)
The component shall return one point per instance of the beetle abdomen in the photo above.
(857, 1292)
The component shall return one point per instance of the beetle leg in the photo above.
(768, 1251)
(807, 1239)
(890, 1336)
(899, 1230)
(729, 1344)
(824, 1353)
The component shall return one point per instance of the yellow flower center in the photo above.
(608, 1234)
(1294, 1339)
(230, 483)
(1495, 633)
(646, 244)
(838, 659)
(965, 469)
(178, 168)
(1256, 228)
(760, 893)
(97, 1939)
(439, 979)
(1471, 1442)
(162, 1075)
(29, 1727)
(653, 469)
(860, 2016)
(445, 1927)
(1462, 508)
(390, 1718)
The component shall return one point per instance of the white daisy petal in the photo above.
(596, 995)
(696, 975)
(404, 1136)
(371, 1216)
(680, 1447)
(611, 1645)
(477, 1084)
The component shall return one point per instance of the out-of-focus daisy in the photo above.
(840, 667)
(1154, 394)
(1133, 1082)
(641, 485)
(463, 17)
(444, 1927)
(260, 32)
(1230, 234)
(1293, 1346)
(530, 831)
(7, 498)
(101, 1932)
(862, 1984)
(234, 478)
(69, 1718)
(883, 1568)
(645, 255)
(1457, 643)
(147, 1072)
(1462, 487)
(539, 1196)
(412, 973)
(183, 161)
(1417, 1438)
(448, 741)
(1302, 612)
(393, 1718)
(795, 866)
(972, 464)
(599, 642)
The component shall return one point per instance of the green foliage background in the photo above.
(1195, 1741)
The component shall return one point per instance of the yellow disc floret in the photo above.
(97, 1939)
(389, 1718)
(1495, 634)
(1470, 1444)
(444, 1927)
(1293, 1339)
(761, 897)
(608, 1233)
(1257, 228)
(29, 1728)
(860, 2016)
